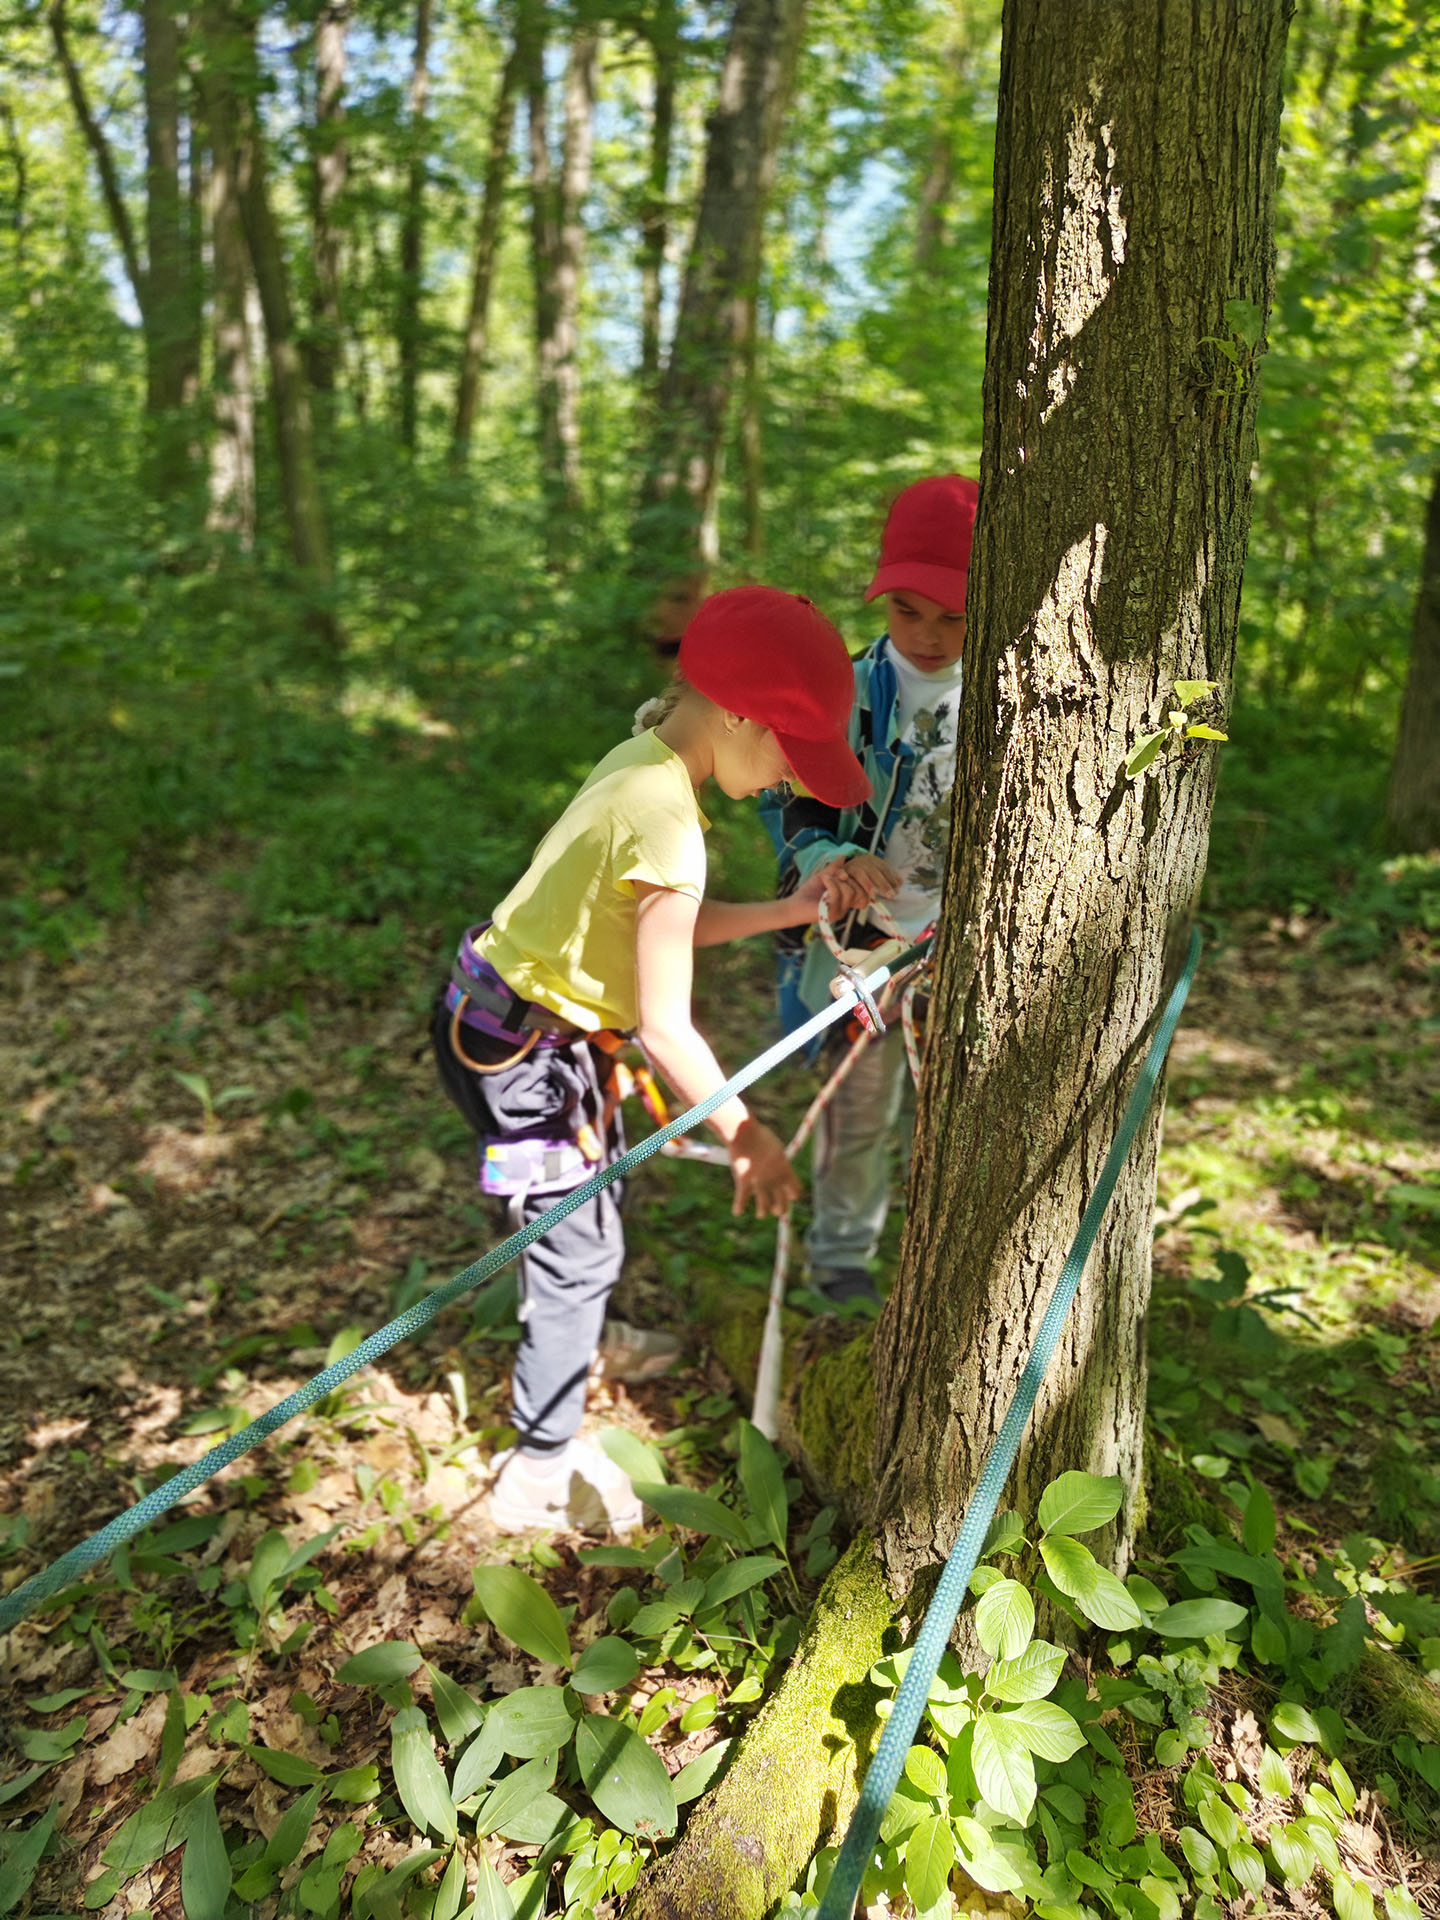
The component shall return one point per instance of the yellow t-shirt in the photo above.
(565, 933)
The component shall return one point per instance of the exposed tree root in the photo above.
(794, 1781)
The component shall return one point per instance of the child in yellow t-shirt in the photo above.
(598, 938)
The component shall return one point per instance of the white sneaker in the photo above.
(579, 1488)
(633, 1354)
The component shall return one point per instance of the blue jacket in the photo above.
(807, 833)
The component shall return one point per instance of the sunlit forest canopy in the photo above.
(210, 629)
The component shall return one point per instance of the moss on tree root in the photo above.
(794, 1780)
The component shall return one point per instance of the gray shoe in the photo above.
(839, 1284)
(635, 1354)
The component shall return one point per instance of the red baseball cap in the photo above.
(774, 658)
(926, 543)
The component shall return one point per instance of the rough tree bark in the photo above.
(487, 239)
(231, 81)
(1135, 169)
(232, 446)
(683, 465)
(412, 233)
(172, 345)
(558, 242)
(1413, 809)
(330, 172)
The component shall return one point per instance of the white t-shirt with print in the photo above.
(927, 711)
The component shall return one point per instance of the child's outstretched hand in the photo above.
(761, 1171)
(849, 884)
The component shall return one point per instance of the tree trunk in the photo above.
(121, 224)
(232, 87)
(412, 233)
(664, 35)
(939, 178)
(331, 167)
(558, 240)
(487, 240)
(682, 471)
(1413, 809)
(752, 439)
(232, 447)
(1108, 558)
(1133, 200)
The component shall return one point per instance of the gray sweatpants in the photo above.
(567, 1276)
(860, 1131)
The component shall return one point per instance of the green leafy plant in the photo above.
(1180, 730)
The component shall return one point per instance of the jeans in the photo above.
(872, 1112)
(567, 1277)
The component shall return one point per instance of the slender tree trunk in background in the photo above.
(1413, 808)
(664, 34)
(487, 240)
(1133, 198)
(15, 153)
(412, 233)
(232, 90)
(330, 171)
(682, 471)
(232, 446)
(121, 225)
(752, 443)
(558, 242)
(939, 179)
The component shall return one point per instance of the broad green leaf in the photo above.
(22, 1783)
(1202, 732)
(492, 1896)
(288, 1768)
(354, 1784)
(635, 1457)
(1295, 1724)
(1047, 1730)
(1007, 1531)
(172, 1736)
(476, 1765)
(1146, 749)
(380, 1665)
(763, 1479)
(538, 1822)
(1318, 1833)
(204, 1865)
(1070, 1564)
(607, 1664)
(1342, 1786)
(1187, 691)
(929, 1857)
(1109, 1604)
(458, 1712)
(1005, 1619)
(1274, 1775)
(1401, 1904)
(1162, 1896)
(524, 1612)
(21, 1861)
(418, 1776)
(1199, 1850)
(1030, 1676)
(624, 1777)
(1193, 1619)
(510, 1796)
(374, 1889)
(738, 1576)
(1079, 1502)
(283, 1846)
(1292, 1853)
(532, 1721)
(1170, 1748)
(700, 1773)
(145, 1836)
(1259, 1522)
(1269, 1641)
(450, 1894)
(1247, 1866)
(1353, 1898)
(267, 1567)
(700, 1512)
(926, 1770)
(1220, 1821)
(1004, 1771)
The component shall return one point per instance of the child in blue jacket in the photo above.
(902, 727)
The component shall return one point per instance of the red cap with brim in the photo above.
(774, 658)
(926, 544)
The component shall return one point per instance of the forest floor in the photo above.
(208, 1177)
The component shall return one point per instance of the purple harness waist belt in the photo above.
(484, 1001)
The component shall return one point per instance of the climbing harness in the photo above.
(899, 1730)
(17, 1605)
